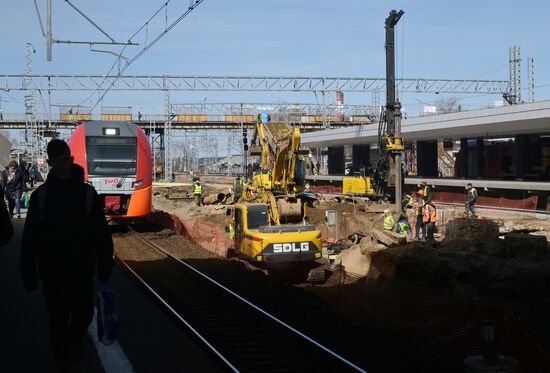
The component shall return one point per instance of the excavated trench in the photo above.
(434, 295)
(206, 234)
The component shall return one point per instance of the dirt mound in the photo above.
(470, 232)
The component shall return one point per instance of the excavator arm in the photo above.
(274, 184)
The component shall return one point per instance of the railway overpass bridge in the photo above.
(204, 116)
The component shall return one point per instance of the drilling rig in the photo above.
(388, 172)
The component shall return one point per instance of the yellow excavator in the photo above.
(270, 223)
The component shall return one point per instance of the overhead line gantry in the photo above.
(76, 82)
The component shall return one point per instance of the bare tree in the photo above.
(447, 105)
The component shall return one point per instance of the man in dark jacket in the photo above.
(14, 186)
(6, 228)
(65, 235)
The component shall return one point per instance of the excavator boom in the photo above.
(274, 181)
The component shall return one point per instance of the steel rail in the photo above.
(177, 315)
(262, 311)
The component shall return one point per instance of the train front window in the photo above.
(110, 156)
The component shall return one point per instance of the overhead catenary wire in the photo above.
(89, 20)
(492, 70)
(39, 18)
(459, 98)
(194, 4)
(117, 60)
(44, 106)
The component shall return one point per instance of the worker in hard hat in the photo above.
(389, 223)
(419, 223)
(197, 192)
(429, 217)
(403, 227)
(471, 195)
(425, 189)
(237, 188)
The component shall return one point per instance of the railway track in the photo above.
(245, 337)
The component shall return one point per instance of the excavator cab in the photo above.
(258, 241)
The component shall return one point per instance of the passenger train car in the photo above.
(116, 158)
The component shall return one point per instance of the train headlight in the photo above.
(137, 183)
(110, 131)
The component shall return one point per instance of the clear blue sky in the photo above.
(436, 39)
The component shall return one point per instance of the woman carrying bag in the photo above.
(14, 186)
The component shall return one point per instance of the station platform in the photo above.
(148, 339)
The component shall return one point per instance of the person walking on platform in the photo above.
(14, 186)
(6, 228)
(237, 189)
(419, 217)
(430, 218)
(64, 239)
(471, 200)
(197, 192)
(32, 174)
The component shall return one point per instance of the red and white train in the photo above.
(116, 158)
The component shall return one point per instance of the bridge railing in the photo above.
(184, 118)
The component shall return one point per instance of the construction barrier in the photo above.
(117, 117)
(239, 118)
(192, 118)
(75, 117)
(529, 203)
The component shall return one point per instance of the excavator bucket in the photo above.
(290, 211)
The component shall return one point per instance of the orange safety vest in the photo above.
(429, 214)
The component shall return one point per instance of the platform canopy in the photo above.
(505, 121)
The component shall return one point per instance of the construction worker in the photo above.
(230, 230)
(389, 223)
(197, 192)
(403, 226)
(420, 202)
(471, 200)
(191, 176)
(237, 188)
(425, 189)
(429, 217)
